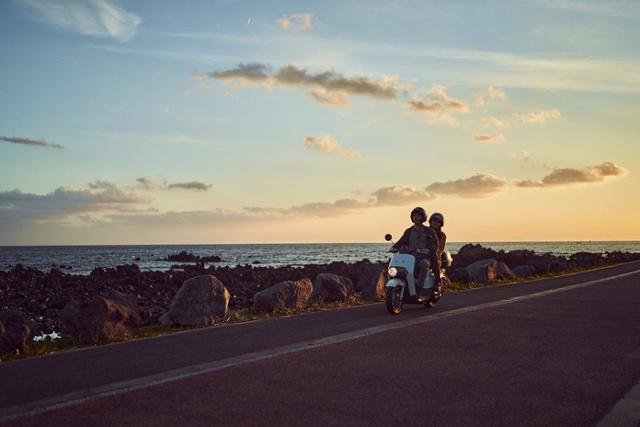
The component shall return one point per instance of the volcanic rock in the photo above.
(15, 332)
(109, 317)
(371, 282)
(524, 271)
(201, 301)
(460, 275)
(483, 271)
(290, 294)
(328, 287)
(503, 272)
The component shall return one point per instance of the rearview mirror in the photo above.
(388, 237)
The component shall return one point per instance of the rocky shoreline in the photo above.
(113, 303)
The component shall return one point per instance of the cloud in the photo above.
(332, 99)
(145, 184)
(327, 87)
(437, 100)
(523, 154)
(97, 18)
(483, 138)
(490, 93)
(568, 176)
(495, 122)
(477, 186)
(64, 201)
(193, 185)
(328, 144)
(538, 117)
(27, 141)
(399, 195)
(297, 22)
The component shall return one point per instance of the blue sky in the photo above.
(525, 114)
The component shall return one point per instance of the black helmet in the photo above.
(421, 212)
(437, 216)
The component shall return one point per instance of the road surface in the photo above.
(561, 351)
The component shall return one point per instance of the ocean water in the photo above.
(83, 259)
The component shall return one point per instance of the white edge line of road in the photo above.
(626, 412)
(76, 398)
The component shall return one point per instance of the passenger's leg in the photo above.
(422, 268)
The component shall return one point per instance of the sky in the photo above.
(152, 122)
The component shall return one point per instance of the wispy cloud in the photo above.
(297, 22)
(484, 138)
(495, 122)
(64, 201)
(437, 100)
(490, 93)
(332, 99)
(147, 184)
(28, 141)
(328, 144)
(523, 154)
(97, 18)
(477, 186)
(192, 185)
(567, 176)
(398, 195)
(323, 85)
(539, 116)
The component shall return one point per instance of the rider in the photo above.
(424, 241)
(436, 222)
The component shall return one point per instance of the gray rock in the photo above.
(483, 271)
(165, 319)
(15, 332)
(200, 301)
(109, 317)
(371, 283)
(542, 267)
(504, 272)
(524, 271)
(329, 287)
(460, 275)
(287, 295)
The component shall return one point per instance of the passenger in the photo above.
(436, 222)
(424, 241)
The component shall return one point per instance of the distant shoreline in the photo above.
(504, 242)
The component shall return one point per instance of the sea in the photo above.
(83, 259)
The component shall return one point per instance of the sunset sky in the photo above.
(150, 121)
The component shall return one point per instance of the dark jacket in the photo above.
(442, 240)
(429, 238)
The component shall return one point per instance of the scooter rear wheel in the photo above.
(394, 300)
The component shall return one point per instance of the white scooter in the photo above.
(401, 287)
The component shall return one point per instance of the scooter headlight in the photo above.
(392, 272)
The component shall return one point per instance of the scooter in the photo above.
(401, 287)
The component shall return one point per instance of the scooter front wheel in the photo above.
(394, 299)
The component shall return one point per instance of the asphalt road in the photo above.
(523, 354)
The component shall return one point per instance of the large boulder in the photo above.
(483, 271)
(504, 272)
(542, 266)
(201, 301)
(287, 295)
(328, 287)
(371, 282)
(109, 317)
(524, 271)
(460, 275)
(15, 332)
(470, 253)
(559, 265)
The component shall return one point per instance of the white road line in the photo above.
(115, 389)
(626, 412)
